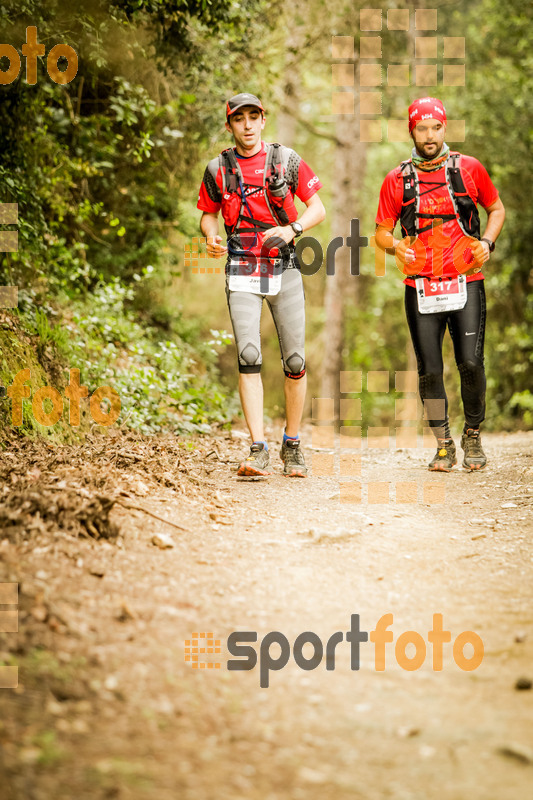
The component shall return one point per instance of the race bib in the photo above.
(266, 278)
(448, 294)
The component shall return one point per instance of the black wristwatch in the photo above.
(490, 243)
(297, 228)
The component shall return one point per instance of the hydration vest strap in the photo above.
(456, 177)
(273, 167)
(230, 170)
(232, 183)
(258, 225)
(464, 206)
(446, 217)
(466, 213)
(272, 161)
(411, 199)
(231, 166)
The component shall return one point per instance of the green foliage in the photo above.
(163, 384)
(100, 169)
(48, 333)
(499, 110)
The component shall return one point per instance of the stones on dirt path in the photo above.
(518, 752)
(125, 613)
(239, 435)
(72, 726)
(320, 536)
(29, 755)
(39, 613)
(523, 684)
(56, 708)
(218, 519)
(407, 731)
(309, 775)
(163, 541)
(139, 487)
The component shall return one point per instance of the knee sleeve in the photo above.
(249, 359)
(294, 367)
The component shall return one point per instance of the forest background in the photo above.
(105, 171)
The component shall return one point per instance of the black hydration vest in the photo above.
(275, 164)
(466, 212)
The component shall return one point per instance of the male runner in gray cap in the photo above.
(253, 184)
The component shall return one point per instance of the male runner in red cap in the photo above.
(253, 184)
(435, 195)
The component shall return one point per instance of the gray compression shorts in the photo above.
(288, 312)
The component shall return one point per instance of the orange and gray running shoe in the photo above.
(445, 458)
(293, 459)
(474, 458)
(257, 463)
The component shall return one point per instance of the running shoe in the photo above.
(474, 458)
(257, 463)
(293, 459)
(445, 458)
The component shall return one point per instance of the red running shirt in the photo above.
(303, 183)
(478, 185)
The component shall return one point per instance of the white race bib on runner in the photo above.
(268, 283)
(448, 294)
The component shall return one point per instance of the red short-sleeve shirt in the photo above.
(303, 183)
(478, 185)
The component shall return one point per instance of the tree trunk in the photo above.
(342, 287)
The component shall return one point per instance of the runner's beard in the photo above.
(430, 157)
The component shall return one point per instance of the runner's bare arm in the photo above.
(209, 227)
(313, 215)
(495, 220)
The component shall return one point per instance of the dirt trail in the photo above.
(107, 707)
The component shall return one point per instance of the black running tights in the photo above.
(467, 329)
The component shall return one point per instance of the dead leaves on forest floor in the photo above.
(75, 488)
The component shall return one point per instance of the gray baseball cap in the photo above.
(240, 100)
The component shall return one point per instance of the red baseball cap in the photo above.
(240, 100)
(426, 108)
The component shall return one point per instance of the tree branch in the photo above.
(313, 129)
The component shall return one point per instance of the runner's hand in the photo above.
(214, 248)
(405, 254)
(285, 233)
(480, 254)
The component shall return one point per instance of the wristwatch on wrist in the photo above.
(297, 228)
(490, 243)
